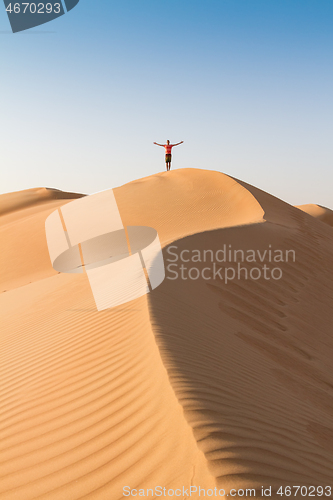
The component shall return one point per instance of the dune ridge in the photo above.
(200, 382)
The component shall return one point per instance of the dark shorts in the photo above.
(167, 158)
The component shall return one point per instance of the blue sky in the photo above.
(246, 84)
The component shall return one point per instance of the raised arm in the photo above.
(181, 142)
(159, 144)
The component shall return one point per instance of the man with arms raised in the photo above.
(168, 148)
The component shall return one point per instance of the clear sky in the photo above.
(246, 84)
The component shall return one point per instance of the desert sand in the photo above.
(200, 382)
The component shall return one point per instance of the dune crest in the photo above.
(187, 201)
(201, 382)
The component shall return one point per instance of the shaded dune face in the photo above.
(198, 383)
(251, 361)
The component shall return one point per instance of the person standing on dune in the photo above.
(168, 148)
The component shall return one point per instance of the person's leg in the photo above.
(168, 161)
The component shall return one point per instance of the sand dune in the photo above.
(11, 202)
(201, 382)
(322, 213)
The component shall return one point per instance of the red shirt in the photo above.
(168, 148)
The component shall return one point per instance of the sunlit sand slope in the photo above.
(198, 383)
